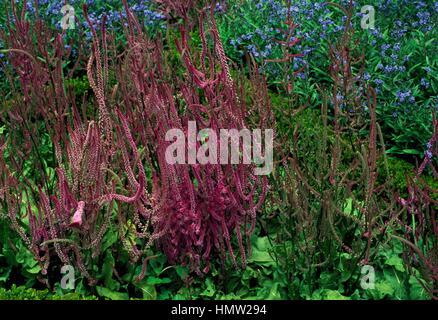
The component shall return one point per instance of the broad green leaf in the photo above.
(210, 290)
(113, 295)
(149, 291)
(181, 271)
(260, 253)
(416, 290)
(107, 272)
(334, 295)
(109, 239)
(397, 262)
(4, 276)
(384, 288)
(155, 280)
(274, 294)
(34, 270)
(411, 151)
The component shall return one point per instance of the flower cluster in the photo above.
(50, 10)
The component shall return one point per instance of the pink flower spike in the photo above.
(76, 221)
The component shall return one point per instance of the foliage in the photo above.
(400, 56)
(190, 211)
(84, 179)
(23, 293)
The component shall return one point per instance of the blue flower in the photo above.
(219, 8)
(385, 47)
(253, 50)
(403, 96)
(424, 17)
(424, 83)
(378, 82)
(301, 75)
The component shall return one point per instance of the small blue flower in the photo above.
(379, 82)
(403, 96)
(424, 83)
(385, 47)
(253, 50)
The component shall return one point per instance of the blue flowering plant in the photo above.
(400, 49)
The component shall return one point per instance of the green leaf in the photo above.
(109, 239)
(416, 290)
(34, 270)
(411, 151)
(395, 280)
(260, 253)
(396, 262)
(155, 280)
(210, 290)
(182, 271)
(274, 294)
(113, 295)
(107, 272)
(384, 288)
(4, 275)
(335, 295)
(149, 291)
